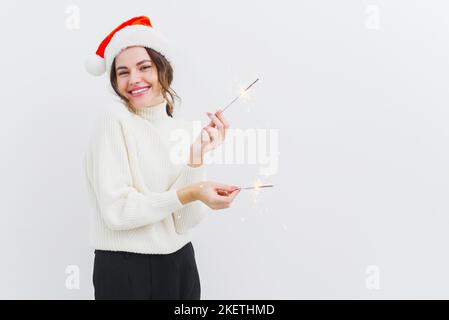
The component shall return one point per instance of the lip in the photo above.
(141, 93)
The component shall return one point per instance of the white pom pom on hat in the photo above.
(95, 65)
(136, 31)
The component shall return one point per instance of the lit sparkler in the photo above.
(242, 93)
(257, 186)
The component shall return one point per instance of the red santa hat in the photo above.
(137, 31)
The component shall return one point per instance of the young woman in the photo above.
(145, 203)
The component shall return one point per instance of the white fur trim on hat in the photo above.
(136, 35)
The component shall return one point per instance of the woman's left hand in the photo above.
(216, 130)
(209, 138)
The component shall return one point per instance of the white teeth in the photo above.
(139, 90)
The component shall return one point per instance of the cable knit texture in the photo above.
(133, 169)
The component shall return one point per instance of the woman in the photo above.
(145, 202)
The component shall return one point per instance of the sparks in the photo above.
(258, 185)
(243, 93)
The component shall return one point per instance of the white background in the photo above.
(362, 114)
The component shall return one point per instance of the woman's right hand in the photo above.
(215, 195)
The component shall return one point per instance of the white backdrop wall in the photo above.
(357, 90)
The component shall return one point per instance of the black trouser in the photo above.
(126, 275)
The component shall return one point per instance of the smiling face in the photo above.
(137, 78)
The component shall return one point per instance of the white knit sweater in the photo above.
(132, 182)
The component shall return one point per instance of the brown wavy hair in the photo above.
(165, 76)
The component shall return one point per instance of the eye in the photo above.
(146, 67)
(122, 73)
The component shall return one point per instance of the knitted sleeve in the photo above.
(121, 206)
(192, 213)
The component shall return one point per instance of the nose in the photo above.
(134, 78)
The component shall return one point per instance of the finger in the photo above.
(233, 194)
(205, 136)
(222, 200)
(213, 133)
(220, 116)
(218, 124)
(211, 122)
(209, 141)
(222, 192)
(229, 191)
(225, 187)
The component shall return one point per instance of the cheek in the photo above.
(152, 77)
(122, 85)
(157, 86)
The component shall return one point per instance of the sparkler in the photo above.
(258, 187)
(243, 92)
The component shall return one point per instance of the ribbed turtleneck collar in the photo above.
(152, 113)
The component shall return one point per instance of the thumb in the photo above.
(234, 194)
(226, 187)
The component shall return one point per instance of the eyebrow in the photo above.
(137, 64)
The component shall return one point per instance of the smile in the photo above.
(139, 91)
